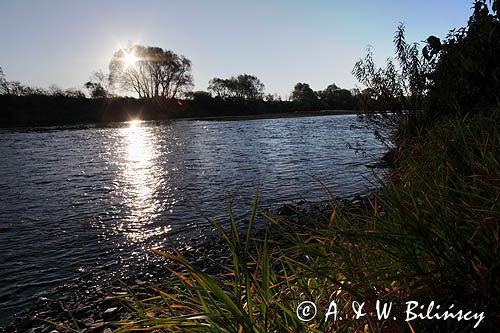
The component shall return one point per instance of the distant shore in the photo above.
(33, 111)
(277, 115)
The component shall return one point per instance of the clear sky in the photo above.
(282, 42)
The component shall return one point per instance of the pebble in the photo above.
(110, 310)
(139, 282)
(87, 322)
(109, 313)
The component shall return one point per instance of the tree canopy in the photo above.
(466, 66)
(3, 81)
(151, 71)
(98, 85)
(303, 94)
(335, 97)
(244, 86)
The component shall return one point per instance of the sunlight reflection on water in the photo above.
(139, 176)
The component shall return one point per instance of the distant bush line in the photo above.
(44, 110)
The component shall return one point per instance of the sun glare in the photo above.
(134, 122)
(129, 59)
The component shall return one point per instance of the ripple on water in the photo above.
(85, 201)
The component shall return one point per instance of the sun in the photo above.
(129, 59)
(134, 123)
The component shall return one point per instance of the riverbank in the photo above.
(429, 236)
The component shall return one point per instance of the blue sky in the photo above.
(282, 42)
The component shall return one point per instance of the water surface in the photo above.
(92, 200)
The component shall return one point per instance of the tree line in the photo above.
(155, 73)
(15, 88)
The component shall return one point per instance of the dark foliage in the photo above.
(304, 96)
(457, 76)
(98, 85)
(242, 87)
(334, 97)
(45, 110)
(466, 74)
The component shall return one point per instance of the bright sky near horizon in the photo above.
(281, 42)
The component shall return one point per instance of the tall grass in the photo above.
(251, 294)
(430, 234)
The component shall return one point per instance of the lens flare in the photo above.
(130, 59)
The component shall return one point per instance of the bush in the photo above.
(467, 66)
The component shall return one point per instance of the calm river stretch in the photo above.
(90, 200)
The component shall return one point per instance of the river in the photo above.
(93, 199)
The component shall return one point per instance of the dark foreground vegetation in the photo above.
(430, 233)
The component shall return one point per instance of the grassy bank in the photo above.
(430, 234)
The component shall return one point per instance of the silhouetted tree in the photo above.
(73, 93)
(250, 87)
(34, 91)
(329, 91)
(98, 85)
(15, 88)
(364, 99)
(3, 82)
(55, 90)
(221, 88)
(466, 75)
(335, 97)
(10, 87)
(272, 98)
(151, 71)
(199, 95)
(460, 74)
(244, 86)
(400, 87)
(403, 85)
(95, 89)
(303, 95)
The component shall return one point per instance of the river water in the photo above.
(90, 200)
